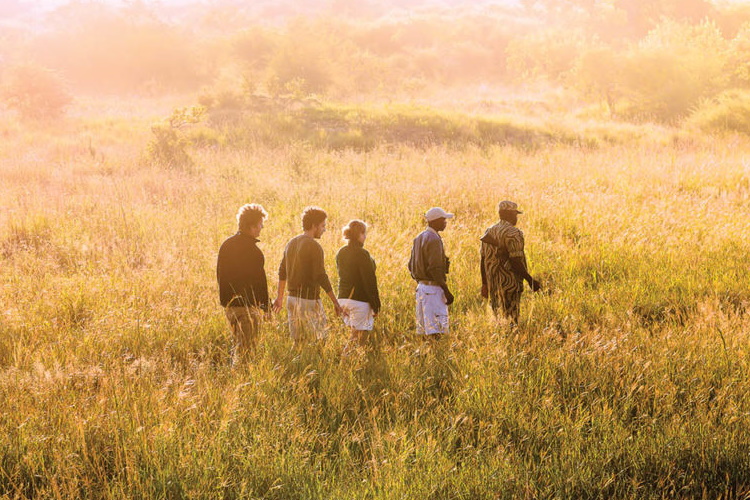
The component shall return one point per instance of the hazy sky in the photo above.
(50, 4)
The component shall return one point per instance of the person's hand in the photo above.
(535, 285)
(339, 310)
(277, 304)
(485, 292)
(449, 298)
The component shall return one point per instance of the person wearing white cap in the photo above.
(503, 264)
(429, 266)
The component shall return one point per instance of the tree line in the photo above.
(656, 60)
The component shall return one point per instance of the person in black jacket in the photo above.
(358, 285)
(243, 289)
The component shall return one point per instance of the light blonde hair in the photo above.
(250, 215)
(354, 229)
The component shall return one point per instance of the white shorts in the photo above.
(305, 316)
(357, 314)
(432, 310)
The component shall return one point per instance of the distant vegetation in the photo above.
(640, 61)
(34, 92)
(130, 135)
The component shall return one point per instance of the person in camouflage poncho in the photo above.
(503, 264)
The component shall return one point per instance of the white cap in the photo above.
(437, 213)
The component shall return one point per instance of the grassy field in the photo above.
(628, 377)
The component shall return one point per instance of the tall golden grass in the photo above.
(627, 378)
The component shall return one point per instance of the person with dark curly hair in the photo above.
(302, 271)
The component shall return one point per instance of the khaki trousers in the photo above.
(245, 324)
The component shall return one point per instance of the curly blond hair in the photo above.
(250, 215)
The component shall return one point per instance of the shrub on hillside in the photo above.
(34, 92)
(303, 61)
(672, 69)
(168, 148)
(546, 55)
(738, 64)
(727, 112)
(598, 74)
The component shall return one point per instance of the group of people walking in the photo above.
(243, 287)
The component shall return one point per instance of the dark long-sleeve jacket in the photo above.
(241, 274)
(303, 268)
(357, 280)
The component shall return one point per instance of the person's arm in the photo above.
(218, 269)
(488, 243)
(412, 259)
(218, 272)
(279, 302)
(336, 306)
(224, 291)
(321, 277)
(436, 267)
(519, 269)
(264, 301)
(259, 281)
(325, 284)
(370, 282)
(517, 261)
(485, 291)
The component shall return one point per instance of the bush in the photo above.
(598, 73)
(673, 69)
(727, 112)
(544, 55)
(34, 92)
(168, 148)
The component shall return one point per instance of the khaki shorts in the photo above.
(432, 310)
(306, 316)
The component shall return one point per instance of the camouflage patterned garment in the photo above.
(499, 243)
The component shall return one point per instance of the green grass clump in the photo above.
(340, 127)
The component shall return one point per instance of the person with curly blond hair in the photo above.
(241, 274)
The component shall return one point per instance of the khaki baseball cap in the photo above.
(437, 213)
(508, 206)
